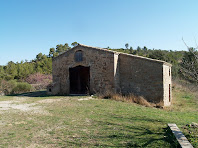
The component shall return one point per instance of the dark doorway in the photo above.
(79, 80)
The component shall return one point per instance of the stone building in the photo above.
(90, 70)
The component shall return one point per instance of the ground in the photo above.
(71, 121)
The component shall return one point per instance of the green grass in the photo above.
(69, 122)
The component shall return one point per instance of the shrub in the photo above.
(39, 81)
(14, 87)
(21, 87)
(7, 86)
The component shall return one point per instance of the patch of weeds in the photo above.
(28, 137)
(187, 96)
(11, 135)
(51, 132)
(191, 133)
(50, 110)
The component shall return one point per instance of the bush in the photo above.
(7, 86)
(39, 81)
(14, 87)
(21, 87)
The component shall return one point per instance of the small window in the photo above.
(169, 93)
(169, 72)
(78, 56)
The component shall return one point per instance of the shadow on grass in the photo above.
(132, 135)
(120, 134)
(120, 139)
(43, 94)
(169, 137)
(33, 94)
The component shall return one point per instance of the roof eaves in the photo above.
(154, 60)
(97, 48)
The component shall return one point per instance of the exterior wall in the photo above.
(167, 85)
(101, 65)
(141, 77)
(116, 72)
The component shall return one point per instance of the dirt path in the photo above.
(20, 104)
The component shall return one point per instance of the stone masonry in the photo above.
(111, 71)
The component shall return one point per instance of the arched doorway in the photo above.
(79, 80)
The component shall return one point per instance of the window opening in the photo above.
(169, 93)
(78, 56)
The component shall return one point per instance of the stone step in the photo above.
(183, 141)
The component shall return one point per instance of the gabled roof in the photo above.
(97, 48)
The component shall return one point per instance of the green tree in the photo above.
(127, 45)
(131, 50)
(74, 44)
(39, 56)
(59, 48)
(2, 73)
(145, 49)
(55, 54)
(66, 47)
(158, 54)
(138, 49)
(11, 70)
(62, 48)
(51, 52)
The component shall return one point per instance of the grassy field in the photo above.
(65, 121)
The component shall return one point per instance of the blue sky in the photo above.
(28, 27)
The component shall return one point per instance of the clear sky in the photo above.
(28, 27)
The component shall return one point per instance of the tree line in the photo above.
(41, 64)
(185, 63)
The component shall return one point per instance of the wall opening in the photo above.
(169, 93)
(78, 56)
(79, 77)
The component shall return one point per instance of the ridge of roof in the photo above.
(86, 47)
(141, 57)
(155, 60)
(98, 48)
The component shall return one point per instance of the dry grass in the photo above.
(129, 98)
(185, 97)
(186, 86)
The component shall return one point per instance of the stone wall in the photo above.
(116, 72)
(167, 85)
(142, 77)
(101, 65)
